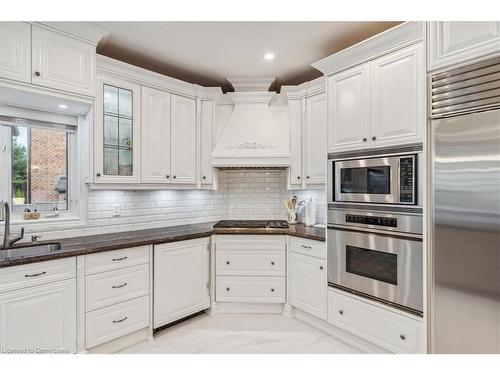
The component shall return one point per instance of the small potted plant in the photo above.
(19, 197)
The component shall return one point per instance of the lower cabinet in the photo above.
(395, 332)
(116, 294)
(181, 280)
(250, 268)
(308, 284)
(39, 319)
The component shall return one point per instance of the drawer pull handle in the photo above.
(272, 290)
(402, 337)
(272, 263)
(119, 286)
(341, 312)
(228, 262)
(36, 274)
(121, 320)
(306, 247)
(227, 289)
(118, 259)
(320, 267)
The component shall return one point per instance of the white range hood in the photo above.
(251, 127)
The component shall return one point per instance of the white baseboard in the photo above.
(122, 343)
(246, 308)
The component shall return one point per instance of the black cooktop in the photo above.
(274, 224)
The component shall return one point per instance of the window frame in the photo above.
(76, 209)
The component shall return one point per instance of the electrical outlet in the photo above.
(117, 211)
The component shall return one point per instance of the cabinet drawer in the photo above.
(36, 273)
(389, 330)
(308, 247)
(251, 263)
(250, 289)
(250, 242)
(111, 260)
(107, 288)
(114, 321)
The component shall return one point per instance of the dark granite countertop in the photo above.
(113, 241)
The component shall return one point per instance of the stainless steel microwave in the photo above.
(390, 179)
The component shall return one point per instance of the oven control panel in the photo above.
(407, 180)
(372, 220)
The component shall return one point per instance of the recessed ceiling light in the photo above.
(63, 106)
(269, 56)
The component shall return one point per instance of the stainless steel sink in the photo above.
(30, 250)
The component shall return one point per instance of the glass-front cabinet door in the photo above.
(117, 131)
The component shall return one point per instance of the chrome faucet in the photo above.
(8, 240)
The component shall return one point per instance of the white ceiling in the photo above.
(208, 52)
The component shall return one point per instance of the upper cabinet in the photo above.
(307, 111)
(376, 90)
(349, 109)
(62, 63)
(380, 103)
(155, 156)
(47, 58)
(117, 131)
(455, 42)
(183, 145)
(15, 51)
(206, 113)
(398, 97)
(316, 125)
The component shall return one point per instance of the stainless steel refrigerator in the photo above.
(465, 197)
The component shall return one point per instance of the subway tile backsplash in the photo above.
(241, 195)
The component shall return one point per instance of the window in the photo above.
(35, 165)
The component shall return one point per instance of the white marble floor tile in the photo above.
(243, 333)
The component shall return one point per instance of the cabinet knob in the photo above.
(308, 177)
(272, 290)
(374, 138)
(228, 262)
(341, 312)
(167, 176)
(227, 289)
(320, 267)
(298, 177)
(174, 177)
(204, 177)
(365, 139)
(37, 74)
(98, 175)
(272, 263)
(402, 337)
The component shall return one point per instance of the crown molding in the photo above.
(395, 38)
(304, 90)
(251, 84)
(84, 31)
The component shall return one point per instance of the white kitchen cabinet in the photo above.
(296, 140)
(155, 137)
(308, 284)
(398, 97)
(349, 109)
(380, 103)
(386, 328)
(206, 141)
(15, 51)
(40, 318)
(183, 141)
(307, 112)
(62, 63)
(316, 129)
(117, 131)
(181, 280)
(456, 42)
